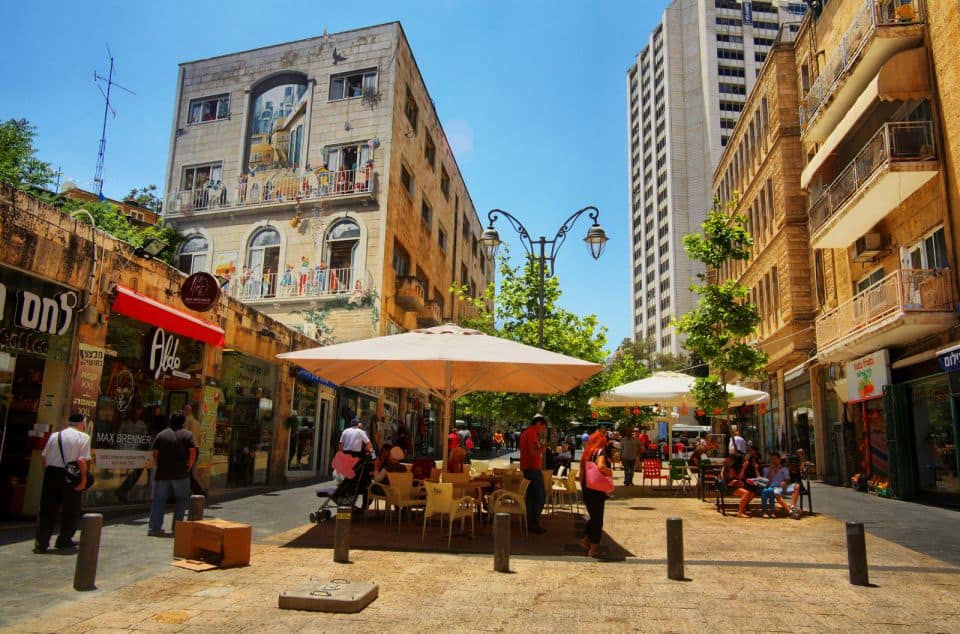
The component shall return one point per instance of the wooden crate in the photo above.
(220, 541)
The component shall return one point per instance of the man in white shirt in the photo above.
(354, 439)
(737, 443)
(63, 447)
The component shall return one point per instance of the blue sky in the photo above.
(532, 95)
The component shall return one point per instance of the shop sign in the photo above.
(122, 459)
(200, 292)
(49, 315)
(86, 381)
(867, 376)
(163, 355)
(949, 359)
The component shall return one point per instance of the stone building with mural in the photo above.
(314, 178)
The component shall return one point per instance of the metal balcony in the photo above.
(256, 193)
(249, 286)
(894, 163)
(903, 307)
(878, 30)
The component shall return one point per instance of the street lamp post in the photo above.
(542, 249)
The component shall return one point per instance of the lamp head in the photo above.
(150, 249)
(490, 240)
(596, 240)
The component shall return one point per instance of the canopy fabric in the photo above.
(142, 308)
(447, 361)
(669, 389)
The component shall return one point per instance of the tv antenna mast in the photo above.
(107, 109)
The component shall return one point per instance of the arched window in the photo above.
(277, 116)
(193, 254)
(262, 264)
(341, 252)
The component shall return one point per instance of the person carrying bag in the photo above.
(67, 474)
(596, 481)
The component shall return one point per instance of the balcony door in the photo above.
(263, 261)
(341, 255)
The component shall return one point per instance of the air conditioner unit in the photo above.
(867, 247)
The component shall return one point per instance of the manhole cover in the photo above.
(338, 595)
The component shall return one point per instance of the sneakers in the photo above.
(795, 513)
(159, 533)
(66, 545)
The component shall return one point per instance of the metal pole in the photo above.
(195, 511)
(341, 535)
(857, 554)
(501, 542)
(675, 548)
(543, 244)
(85, 573)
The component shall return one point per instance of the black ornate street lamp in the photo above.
(595, 239)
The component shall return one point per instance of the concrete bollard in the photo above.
(195, 510)
(88, 553)
(341, 535)
(675, 548)
(501, 542)
(857, 554)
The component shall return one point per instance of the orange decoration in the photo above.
(636, 411)
(716, 410)
(593, 414)
(763, 408)
(700, 412)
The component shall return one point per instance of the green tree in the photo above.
(718, 327)
(515, 318)
(19, 165)
(145, 197)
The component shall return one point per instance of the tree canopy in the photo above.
(719, 327)
(19, 164)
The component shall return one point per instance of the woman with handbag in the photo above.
(596, 480)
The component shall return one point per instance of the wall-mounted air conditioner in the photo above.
(867, 247)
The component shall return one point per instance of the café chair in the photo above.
(440, 501)
(512, 502)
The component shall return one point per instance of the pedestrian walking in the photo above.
(531, 463)
(63, 447)
(594, 451)
(174, 454)
(192, 425)
(629, 450)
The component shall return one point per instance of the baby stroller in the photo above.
(354, 484)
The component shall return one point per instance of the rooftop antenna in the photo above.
(107, 108)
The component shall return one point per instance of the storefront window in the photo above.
(934, 436)
(870, 436)
(36, 331)
(301, 426)
(147, 374)
(800, 417)
(243, 439)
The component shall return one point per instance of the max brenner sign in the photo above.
(162, 355)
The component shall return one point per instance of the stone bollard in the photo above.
(675, 548)
(341, 535)
(195, 510)
(88, 553)
(501, 542)
(857, 554)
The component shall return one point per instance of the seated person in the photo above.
(381, 460)
(750, 471)
(779, 481)
(387, 462)
(456, 459)
(565, 457)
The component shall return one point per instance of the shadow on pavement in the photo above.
(563, 532)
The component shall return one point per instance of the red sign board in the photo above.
(200, 292)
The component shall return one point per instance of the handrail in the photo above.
(894, 141)
(903, 290)
(872, 14)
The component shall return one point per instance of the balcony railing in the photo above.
(410, 293)
(903, 291)
(430, 314)
(280, 189)
(871, 15)
(317, 282)
(897, 141)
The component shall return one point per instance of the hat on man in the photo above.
(76, 418)
(538, 417)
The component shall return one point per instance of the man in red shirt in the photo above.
(531, 463)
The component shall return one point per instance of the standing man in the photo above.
(192, 425)
(174, 454)
(531, 463)
(737, 444)
(629, 449)
(68, 445)
(355, 442)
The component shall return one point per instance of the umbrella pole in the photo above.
(447, 419)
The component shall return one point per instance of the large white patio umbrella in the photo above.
(448, 362)
(669, 389)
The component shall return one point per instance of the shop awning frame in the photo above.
(142, 308)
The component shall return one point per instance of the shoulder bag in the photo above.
(73, 476)
(596, 480)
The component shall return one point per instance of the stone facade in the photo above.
(288, 158)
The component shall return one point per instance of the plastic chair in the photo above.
(547, 485)
(377, 492)
(565, 493)
(401, 494)
(440, 501)
(651, 471)
(479, 467)
(680, 472)
(512, 502)
(511, 481)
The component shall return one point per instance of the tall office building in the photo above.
(685, 92)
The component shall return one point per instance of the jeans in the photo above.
(536, 496)
(767, 499)
(161, 492)
(628, 465)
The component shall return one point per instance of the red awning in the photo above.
(142, 308)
